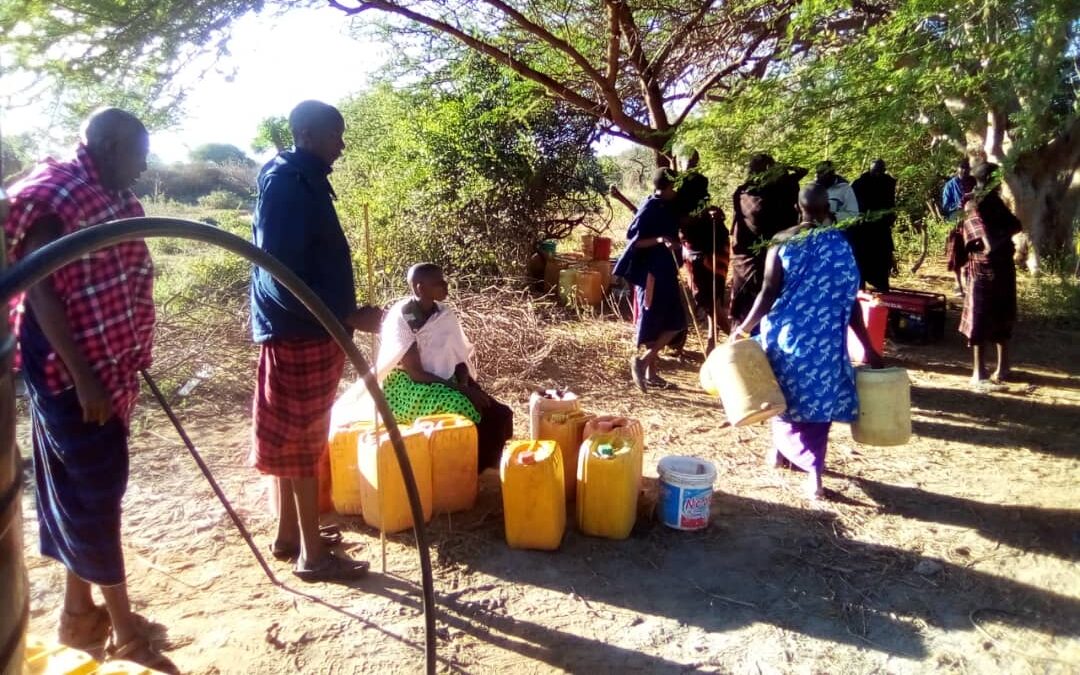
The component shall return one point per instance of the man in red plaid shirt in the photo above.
(84, 334)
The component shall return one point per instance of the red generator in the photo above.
(914, 316)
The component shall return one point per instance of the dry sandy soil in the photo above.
(955, 553)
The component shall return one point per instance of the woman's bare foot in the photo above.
(812, 486)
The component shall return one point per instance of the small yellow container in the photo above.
(608, 476)
(549, 400)
(54, 659)
(383, 500)
(568, 286)
(534, 501)
(603, 268)
(452, 442)
(346, 483)
(552, 271)
(567, 430)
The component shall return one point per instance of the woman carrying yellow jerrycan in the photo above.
(805, 307)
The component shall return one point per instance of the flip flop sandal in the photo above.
(330, 535)
(139, 650)
(334, 568)
(88, 631)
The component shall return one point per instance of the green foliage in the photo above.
(273, 133)
(1050, 300)
(220, 153)
(222, 199)
(16, 155)
(191, 182)
(470, 173)
(916, 90)
(114, 52)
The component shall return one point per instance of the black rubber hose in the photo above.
(46, 260)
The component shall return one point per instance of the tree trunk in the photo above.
(1044, 187)
(1047, 204)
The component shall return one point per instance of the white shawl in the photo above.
(442, 345)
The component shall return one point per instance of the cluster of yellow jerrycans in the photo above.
(596, 461)
(366, 480)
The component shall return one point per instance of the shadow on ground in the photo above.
(759, 562)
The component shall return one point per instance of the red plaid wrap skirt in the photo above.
(297, 384)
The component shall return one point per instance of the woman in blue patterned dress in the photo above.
(805, 307)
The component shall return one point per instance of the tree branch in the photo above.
(678, 36)
(650, 86)
(716, 77)
(350, 11)
(613, 43)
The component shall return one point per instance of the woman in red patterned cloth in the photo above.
(990, 302)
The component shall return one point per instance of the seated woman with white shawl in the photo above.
(426, 365)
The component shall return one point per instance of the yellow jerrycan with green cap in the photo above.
(608, 475)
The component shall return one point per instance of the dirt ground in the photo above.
(956, 553)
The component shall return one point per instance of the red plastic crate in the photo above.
(914, 316)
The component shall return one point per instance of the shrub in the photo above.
(223, 199)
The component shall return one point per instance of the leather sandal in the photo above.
(87, 631)
(139, 650)
(334, 568)
(329, 534)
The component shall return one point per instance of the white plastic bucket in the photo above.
(686, 485)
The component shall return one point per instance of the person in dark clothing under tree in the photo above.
(871, 240)
(762, 206)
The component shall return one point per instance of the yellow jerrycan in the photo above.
(568, 430)
(884, 407)
(452, 442)
(384, 502)
(534, 498)
(590, 290)
(746, 383)
(608, 475)
(549, 400)
(346, 483)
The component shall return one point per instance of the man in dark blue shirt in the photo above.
(299, 364)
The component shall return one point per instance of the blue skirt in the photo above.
(666, 314)
(80, 474)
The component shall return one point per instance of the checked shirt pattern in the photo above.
(108, 294)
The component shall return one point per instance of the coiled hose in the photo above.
(46, 260)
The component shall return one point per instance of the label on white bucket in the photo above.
(686, 485)
(685, 508)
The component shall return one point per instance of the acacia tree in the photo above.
(639, 69)
(938, 80)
